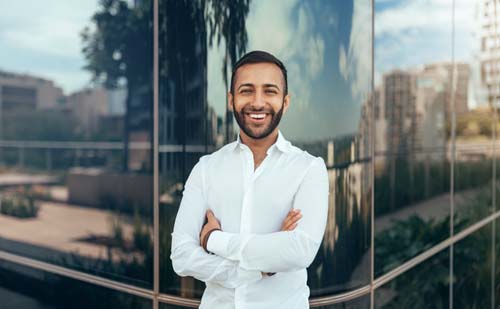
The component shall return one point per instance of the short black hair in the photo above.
(259, 56)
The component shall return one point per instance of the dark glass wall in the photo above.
(398, 97)
(76, 115)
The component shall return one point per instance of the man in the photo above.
(253, 250)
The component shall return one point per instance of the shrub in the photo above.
(17, 205)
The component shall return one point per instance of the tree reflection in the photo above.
(119, 52)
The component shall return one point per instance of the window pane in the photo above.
(329, 115)
(75, 135)
(413, 113)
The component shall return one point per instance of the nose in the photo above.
(259, 102)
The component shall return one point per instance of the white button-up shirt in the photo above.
(251, 206)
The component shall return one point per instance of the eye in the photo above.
(245, 90)
(271, 91)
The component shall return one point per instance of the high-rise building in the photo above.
(396, 107)
(413, 107)
(489, 53)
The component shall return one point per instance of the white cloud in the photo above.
(216, 91)
(427, 14)
(355, 62)
(413, 33)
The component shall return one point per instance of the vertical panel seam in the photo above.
(156, 214)
(372, 153)
(452, 159)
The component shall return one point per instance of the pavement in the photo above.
(59, 227)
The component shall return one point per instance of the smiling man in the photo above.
(253, 213)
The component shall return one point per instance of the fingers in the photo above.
(211, 218)
(210, 215)
(291, 220)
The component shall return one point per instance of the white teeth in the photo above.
(258, 116)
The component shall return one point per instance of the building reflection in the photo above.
(76, 165)
(427, 117)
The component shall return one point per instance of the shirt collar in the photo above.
(281, 143)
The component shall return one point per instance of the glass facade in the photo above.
(106, 106)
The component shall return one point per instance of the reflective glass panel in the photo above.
(413, 111)
(75, 135)
(329, 115)
(419, 287)
(27, 288)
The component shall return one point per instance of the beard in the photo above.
(262, 131)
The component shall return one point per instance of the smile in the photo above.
(256, 117)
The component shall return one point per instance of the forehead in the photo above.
(258, 74)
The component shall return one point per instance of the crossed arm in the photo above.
(238, 258)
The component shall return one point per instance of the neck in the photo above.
(259, 146)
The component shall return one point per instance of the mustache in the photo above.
(248, 109)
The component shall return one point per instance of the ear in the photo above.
(286, 103)
(230, 101)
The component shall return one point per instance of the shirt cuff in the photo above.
(218, 243)
(249, 276)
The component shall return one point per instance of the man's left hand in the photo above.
(211, 224)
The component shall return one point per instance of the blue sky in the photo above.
(42, 38)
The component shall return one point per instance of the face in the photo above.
(258, 101)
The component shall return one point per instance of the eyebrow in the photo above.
(245, 85)
(265, 86)
(271, 86)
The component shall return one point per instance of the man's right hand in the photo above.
(290, 222)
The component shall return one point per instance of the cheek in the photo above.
(238, 105)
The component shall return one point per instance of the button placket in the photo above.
(245, 220)
(245, 211)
